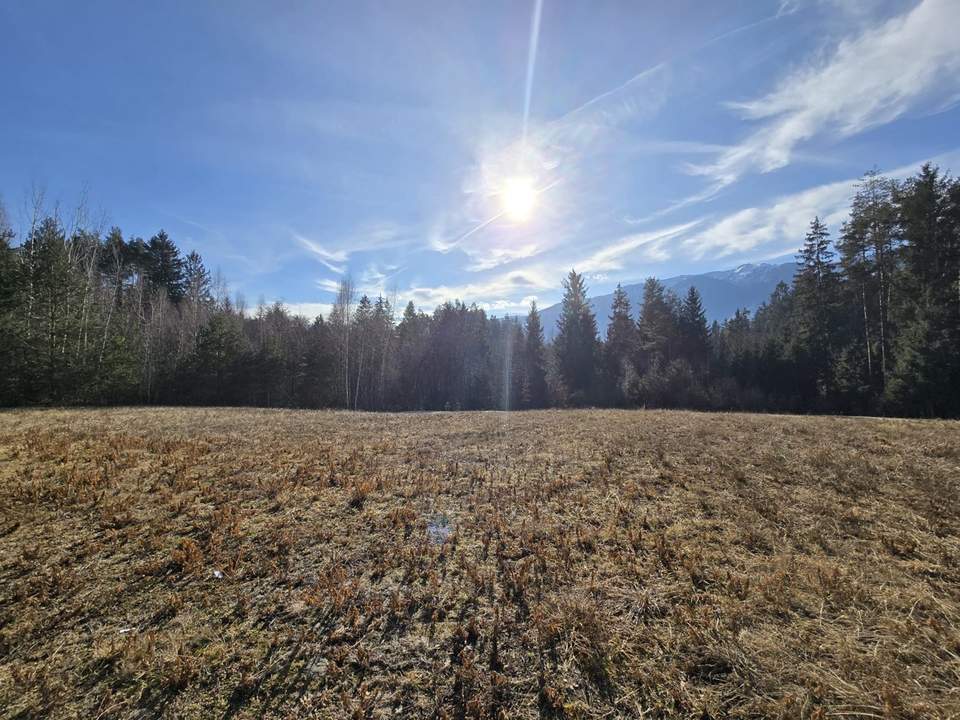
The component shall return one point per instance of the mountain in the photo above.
(722, 291)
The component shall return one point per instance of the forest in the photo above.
(869, 325)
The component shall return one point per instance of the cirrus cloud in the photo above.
(910, 63)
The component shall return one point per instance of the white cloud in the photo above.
(788, 7)
(643, 95)
(674, 147)
(695, 199)
(380, 236)
(495, 256)
(308, 310)
(327, 257)
(374, 280)
(328, 285)
(908, 63)
(493, 291)
(784, 222)
(780, 227)
(650, 246)
(368, 238)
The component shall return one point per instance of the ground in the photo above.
(237, 563)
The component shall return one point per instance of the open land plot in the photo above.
(236, 563)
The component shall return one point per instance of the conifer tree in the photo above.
(576, 341)
(621, 344)
(655, 326)
(816, 293)
(926, 371)
(535, 366)
(11, 348)
(868, 255)
(165, 267)
(692, 325)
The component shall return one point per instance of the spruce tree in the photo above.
(165, 268)
(12, 358)
(196, 279)
(576, 341)
(535, 365)
(816, 297)
(926, 370)
(656, 327)
(868, 256)
(694, 336)
(52, 286)
(621, 345)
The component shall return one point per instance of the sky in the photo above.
(472, 150)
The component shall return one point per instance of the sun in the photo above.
(518, 198)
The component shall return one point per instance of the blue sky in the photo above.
(294, 143)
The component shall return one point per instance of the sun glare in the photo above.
(518, 198)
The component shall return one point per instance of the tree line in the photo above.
(870, 324)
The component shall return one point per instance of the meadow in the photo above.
(239, 563)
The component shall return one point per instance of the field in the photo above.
(198, 563)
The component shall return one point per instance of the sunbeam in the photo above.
(531, 64)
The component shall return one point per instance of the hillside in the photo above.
(723, 292)
(198, 563)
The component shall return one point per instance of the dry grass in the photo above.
(594, 564)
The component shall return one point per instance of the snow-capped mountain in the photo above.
(723, 291)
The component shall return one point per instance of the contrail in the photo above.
(531, 63)
(648, 72)
(470, 232)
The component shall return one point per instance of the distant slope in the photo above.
(723, 291)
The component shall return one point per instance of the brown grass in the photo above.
(591, 564)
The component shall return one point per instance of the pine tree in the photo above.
(694, 336)
(52, 286)
(219, 350)
(341, 325)
(576, 341)
(196, 280)
(621, 345)
(656, 327)
(927, 315)
(320, 369)
(165, 267)
(411, 348)
(516, 389)
(868, 256)
(113, 259)
(816, 303)
(383, 342)
(535, 366)
(363, 321)
(12, 358)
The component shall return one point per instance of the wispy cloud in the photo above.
(308, 310)
(374, 279)
(328, 285)
(381, 236)
(780, 227)
(782, 223)
(643, 95)
(696, 198)
(368, 238)
(326, 257)
(650, 246)
(908, 63)
(788, 7)
(498, 290)
(567, 155)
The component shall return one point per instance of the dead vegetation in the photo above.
(579, 564)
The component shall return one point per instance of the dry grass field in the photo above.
(195, 563)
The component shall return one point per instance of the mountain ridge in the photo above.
(723, 292)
